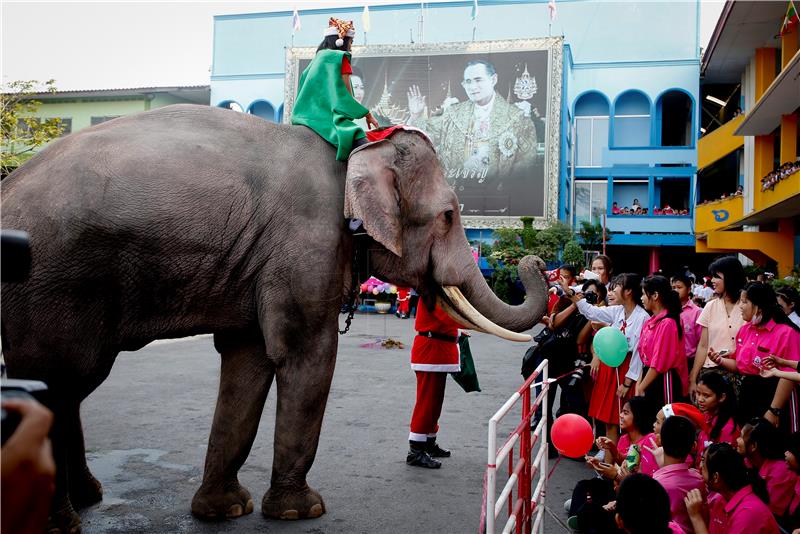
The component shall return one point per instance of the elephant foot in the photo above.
(285, 504)
(84, 489)
(213, 504)
(64, 521)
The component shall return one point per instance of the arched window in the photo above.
(591, 129)
(231, 104)
(632, 120)
(674, 115)
(263, 109)
(279, 114)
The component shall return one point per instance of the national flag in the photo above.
(295, 21)
(365, 18)
(474, 10)
(790, 20)
(551, 5)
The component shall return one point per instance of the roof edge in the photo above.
(718, 29)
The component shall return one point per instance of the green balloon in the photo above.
(610, 346)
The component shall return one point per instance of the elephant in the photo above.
(189, 220)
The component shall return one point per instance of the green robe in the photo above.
(325, 105)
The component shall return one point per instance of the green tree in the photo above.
(591, 234)
(23, 132)
(573, 254)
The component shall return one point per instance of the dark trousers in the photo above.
(588, 499)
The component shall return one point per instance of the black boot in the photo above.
(418, 457)
(435, 451)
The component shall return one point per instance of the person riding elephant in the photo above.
(325, 101)
(191, 220)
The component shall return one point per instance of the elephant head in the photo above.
(397, 187)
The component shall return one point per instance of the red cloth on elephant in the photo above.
(382, 133)
(430, 354)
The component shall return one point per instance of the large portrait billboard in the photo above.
(492, 110)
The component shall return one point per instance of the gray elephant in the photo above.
(190, 219)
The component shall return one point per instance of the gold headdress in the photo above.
(342, 28)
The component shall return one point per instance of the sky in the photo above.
(116, 44)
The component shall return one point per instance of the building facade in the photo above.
(751, 96)
(629, 93)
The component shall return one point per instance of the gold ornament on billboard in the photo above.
(385, 109)
(525, 86)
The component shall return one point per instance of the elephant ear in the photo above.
(371, 193)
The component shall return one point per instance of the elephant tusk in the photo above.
(454, 315)
(467, 311)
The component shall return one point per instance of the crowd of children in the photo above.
(781, 173)
(698, 429)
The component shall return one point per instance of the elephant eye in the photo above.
(448, 215)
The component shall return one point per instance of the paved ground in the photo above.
(147, 427)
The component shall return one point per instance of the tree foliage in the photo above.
(23, 132)
(573, 254)
(591, 234)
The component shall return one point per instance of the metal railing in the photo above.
(526, 510)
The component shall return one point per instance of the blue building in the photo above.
(629, 89)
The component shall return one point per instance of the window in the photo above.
(591, 129)
(674, 110)
(263, 109)
(590, 200)
(230, 104)
(100, 120)
(23, 129)
(629, 193)
(632, 120)
(66, 126)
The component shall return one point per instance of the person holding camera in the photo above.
(28, 469)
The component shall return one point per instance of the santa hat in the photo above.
(342, 28)
(688, 411)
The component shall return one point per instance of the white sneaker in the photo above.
(567, 504)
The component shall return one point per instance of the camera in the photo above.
(19, 389)
(576, 376)
(591, 297)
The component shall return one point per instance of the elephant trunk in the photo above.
(474, 305)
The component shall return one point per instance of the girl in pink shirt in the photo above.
(767, 331)
(737, 503)
(665, 372)
(792, 457)
(716, 399)
(636, 421)
(760, 443)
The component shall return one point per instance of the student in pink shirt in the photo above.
(690, 312)
(737, 503)
(792, 456)
(636, 421)
(678, 440)
(665, 375)
(767, 332)
(760, 443)
(717, 400)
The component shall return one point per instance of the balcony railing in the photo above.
(718, 214)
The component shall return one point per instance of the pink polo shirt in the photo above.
(780, 484)
(728, 434)
(648, 464)
(743, 513)
(691, 329)
(777, 339)
(795, 498)
(678, 480)
(662, 349)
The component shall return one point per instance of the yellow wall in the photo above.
(789, 45)
(707, 215)
(788, 138)
(719, 143)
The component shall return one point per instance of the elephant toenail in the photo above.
(248, 508)
(315, 511)
(290, 514)
(235, 510)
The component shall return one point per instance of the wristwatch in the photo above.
(775, 411)
(629, 386)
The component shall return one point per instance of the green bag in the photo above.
(467, 378)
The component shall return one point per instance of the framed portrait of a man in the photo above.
(491, 108)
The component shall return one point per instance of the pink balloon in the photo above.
(572, 435)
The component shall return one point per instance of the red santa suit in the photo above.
(433, 355)
(403, 301)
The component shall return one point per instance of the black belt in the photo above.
(440, 337)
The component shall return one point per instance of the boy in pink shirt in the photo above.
(678, 440)
(690, 312)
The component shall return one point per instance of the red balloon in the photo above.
(572, 435)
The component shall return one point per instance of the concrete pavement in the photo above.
(147, 428)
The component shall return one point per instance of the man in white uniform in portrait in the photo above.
(485, 143)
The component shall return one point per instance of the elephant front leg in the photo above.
(244, 384)
(304, 381)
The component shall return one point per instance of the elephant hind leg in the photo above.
(244, 384)
(84, 489)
